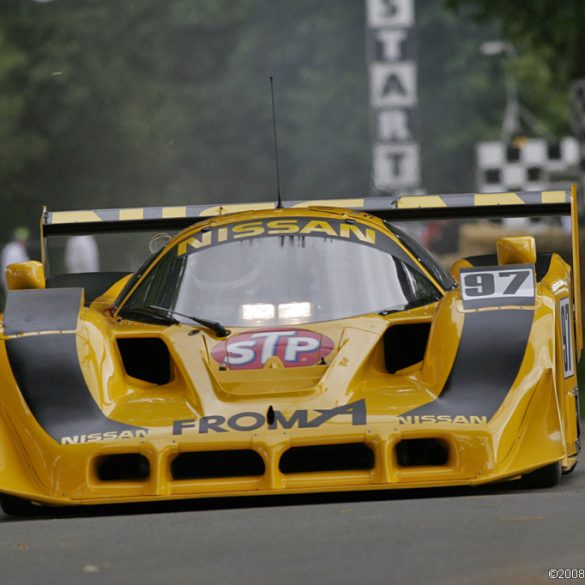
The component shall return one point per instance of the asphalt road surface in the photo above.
(464, 537)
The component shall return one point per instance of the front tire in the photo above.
(14, 506)
(545, 477)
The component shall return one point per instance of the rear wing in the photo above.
(398, 207)
(393, 207)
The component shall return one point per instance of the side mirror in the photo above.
(516, 250)
(25, 275)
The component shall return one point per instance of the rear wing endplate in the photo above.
(576, 273)
(394, 207)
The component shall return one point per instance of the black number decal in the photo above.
(492, 287)
(480, 285)
(519, 276)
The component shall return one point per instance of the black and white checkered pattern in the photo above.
(504, 167)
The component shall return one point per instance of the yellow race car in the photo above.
(309, 347)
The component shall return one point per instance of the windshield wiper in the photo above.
(151, 312)
(166, 316)
(215, 326)
(410, 305)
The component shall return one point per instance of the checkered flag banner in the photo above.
(526, 166)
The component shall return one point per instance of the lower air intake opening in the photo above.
(122, 467)
(422, 452)
(215, 464)
(315, 458)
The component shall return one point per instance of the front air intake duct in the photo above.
(146, 358)
(217, 464)
(405, 345)
(322, 458)
(122, 467)
(422, 452)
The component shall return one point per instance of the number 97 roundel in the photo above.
(496, 286)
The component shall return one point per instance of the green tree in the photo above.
(557, 27)
(144, 102)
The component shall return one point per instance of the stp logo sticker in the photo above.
(294, 348)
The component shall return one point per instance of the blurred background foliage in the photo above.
(554, 27)
(108, 103)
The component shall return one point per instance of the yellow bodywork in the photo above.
(535, 425)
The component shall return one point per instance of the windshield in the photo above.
(257, 280)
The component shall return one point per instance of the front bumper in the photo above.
(471, 458)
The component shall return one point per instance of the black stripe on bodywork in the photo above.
(47, 371)
(491, 350)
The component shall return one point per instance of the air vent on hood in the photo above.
(404, 345)
(146, 358)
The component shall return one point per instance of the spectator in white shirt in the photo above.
(81, 254)
(15, 251)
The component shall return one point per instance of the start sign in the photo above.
(393, 94)
(293, 347)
